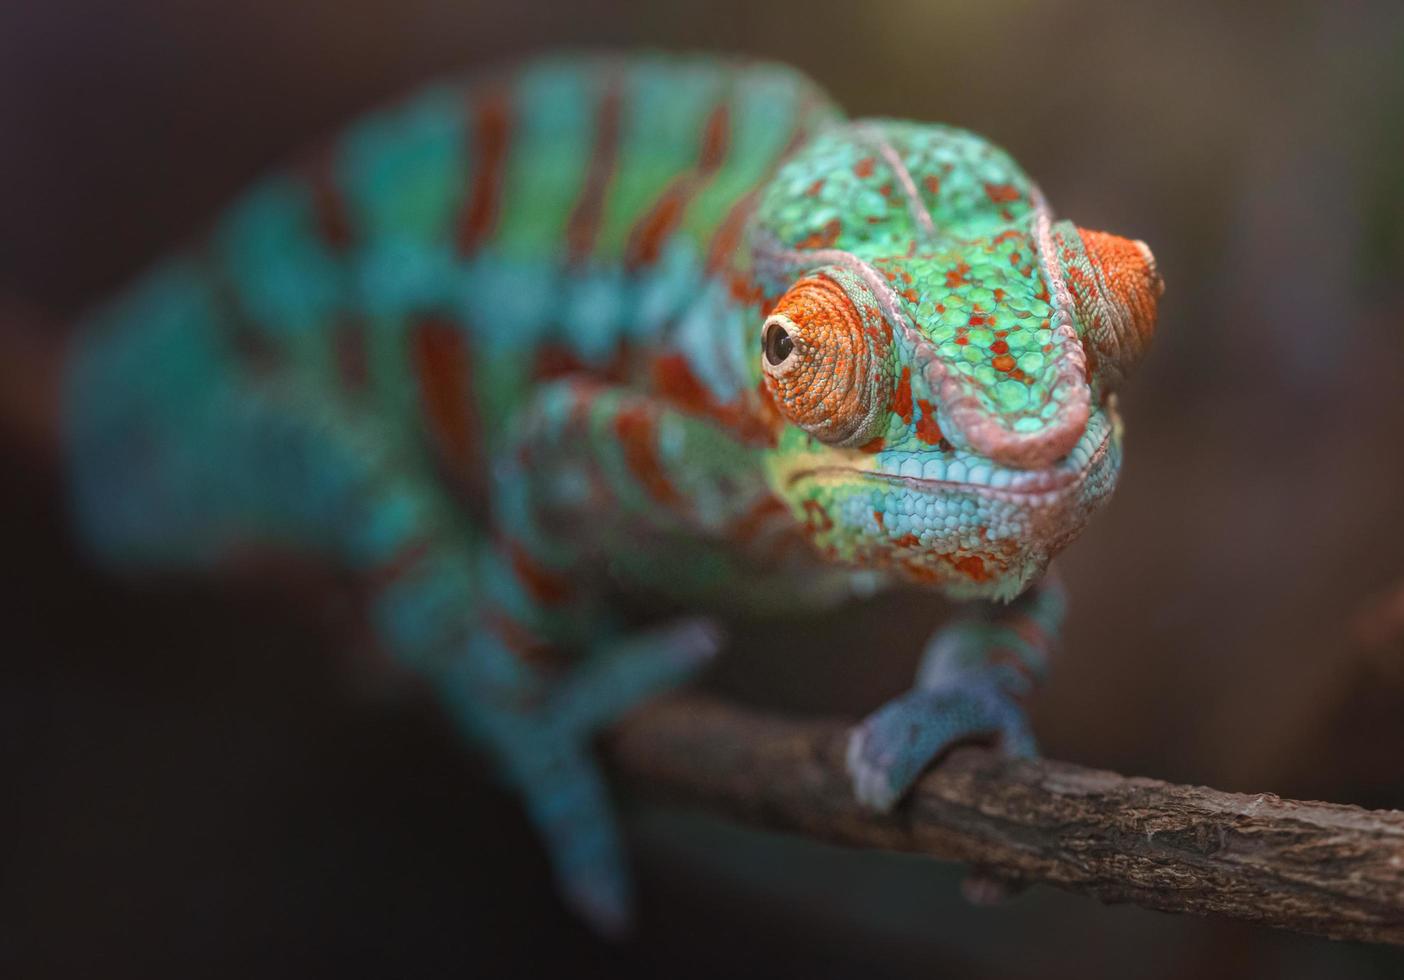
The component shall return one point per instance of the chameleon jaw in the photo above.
(986, 479)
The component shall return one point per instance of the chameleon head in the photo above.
(948, 399)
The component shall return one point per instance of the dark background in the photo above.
(211, 779)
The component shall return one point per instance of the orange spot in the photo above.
(910, 295)
(864, 167)
(908, 540)
(877, 516)
(902, 396)
(999, 347)
(872, 445)
(1002, 193)
(927, 430)
(824, 238)
(814, 188)
(932, 183)
(957, 277)
(1004, 363)
(973, 567)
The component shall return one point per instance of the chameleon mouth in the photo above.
(980, 476)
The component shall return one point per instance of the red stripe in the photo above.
(716, 140)
(647, 238)
(491, 133)
(661, 220)
(728, 234)
(546, 586)
(328, 205)
(443, 367)
(639, 436)
(585, 217)
(727, 238)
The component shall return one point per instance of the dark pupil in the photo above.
(777, 343)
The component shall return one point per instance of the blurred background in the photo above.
(205, 780)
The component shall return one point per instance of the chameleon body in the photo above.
(654, 326)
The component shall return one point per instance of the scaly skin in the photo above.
(661, 326)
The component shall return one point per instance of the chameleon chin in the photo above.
(590, 324)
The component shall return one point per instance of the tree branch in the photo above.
(1320, 868)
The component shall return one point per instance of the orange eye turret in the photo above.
(825, 367)
(1116, 288)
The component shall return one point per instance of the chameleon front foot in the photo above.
(973, 677)
(895, 744)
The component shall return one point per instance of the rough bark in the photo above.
(1321, 868)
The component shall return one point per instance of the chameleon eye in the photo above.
(826, 371)
(777, 343)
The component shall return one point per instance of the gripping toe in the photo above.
(888, 751)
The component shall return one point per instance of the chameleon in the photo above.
(533, 344)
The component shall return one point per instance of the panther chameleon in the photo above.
(643, 326)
